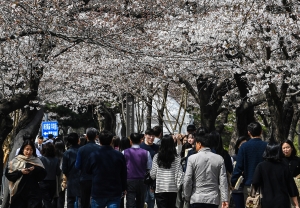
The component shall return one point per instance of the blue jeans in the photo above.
(149, 198)
(113, 202)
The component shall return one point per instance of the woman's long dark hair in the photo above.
(60, 148)
(238, 142)
(217, 143)
(273, 152)
(167, 152)
(25, 143)
(48, 150)
(184, 147)
(124, 144)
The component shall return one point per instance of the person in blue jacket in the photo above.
(69, 170)
(249, 155)
(109, 171)
(82, 156)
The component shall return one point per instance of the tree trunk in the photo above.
(139, 116)
(288, 115)
(6, 126)
(245, 112)
(123, 119)
(210, 97)
(184, 111)
(99, 121)
(244, 116)
(178, 114)
(275, 105)
(233, 139)
(295, 119)
(149, 107)
(161, 111)
(30, 123)
(223, 119)
(109, 123)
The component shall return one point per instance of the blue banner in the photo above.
(49, 127)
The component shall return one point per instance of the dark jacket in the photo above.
(109, 171)
(227, 161)
(294, 165)
(249, 156)
(28, 185)
(184, 163)
(51, 165)
(82, 156)
(276, 182)
(72, 173)
(153, 149)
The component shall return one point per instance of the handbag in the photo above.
(179, 179)
(297, 182)
(254, 200)
(147, 179)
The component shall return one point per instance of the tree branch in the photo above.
(293, 94)
(190, 88)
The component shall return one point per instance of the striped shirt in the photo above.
(167, 180)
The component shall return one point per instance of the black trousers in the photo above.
(48, 189)
(203, 205)
(136, 190)
(31, 201)
(71, 201)
(86, 189)
(59, 202)
(166, 199)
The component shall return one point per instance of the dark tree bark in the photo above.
(245, 112)
(6, 126)
(264, 118)
(288, 114)
(149, 107)
(295, 119)
(109, 123)
(30, 123)
(275, 102)
(161, 111)
(123, 128)
(211, 97)
(223, 119)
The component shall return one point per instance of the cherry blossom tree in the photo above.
(231, 55)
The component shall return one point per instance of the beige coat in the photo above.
(205, 179)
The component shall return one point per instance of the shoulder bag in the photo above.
(297, 182)
(254, 200)
(147, 179)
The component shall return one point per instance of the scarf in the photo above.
(18, 163)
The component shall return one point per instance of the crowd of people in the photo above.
(182, 171)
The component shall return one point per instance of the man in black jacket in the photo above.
(69, 170)
(109, 171)
(82, 157)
